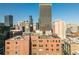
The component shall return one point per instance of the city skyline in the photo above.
(46, 37)
(67, 12)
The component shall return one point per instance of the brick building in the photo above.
(46, 45)
(18, 45)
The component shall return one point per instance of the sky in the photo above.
(68, 12)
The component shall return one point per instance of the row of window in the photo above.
(48, 41)
(8, 47)
(52, 49)
(34, 45)
(48, 50)
(9, 42)
(9, 53)
(40, 41)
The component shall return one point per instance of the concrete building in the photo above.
(18, 45)
(45, 17)
(24, 25)
(9, 20)
(46, 45)
(71, 46)
(59, 28)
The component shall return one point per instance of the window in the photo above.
(53, 40)
(52, 45)
(46, 45)
(40, 40)
(40, 45)
(47, 40)
(47, 49)
(8, 47)
(8, 42)
(57, 49)
(34, 40)
(34, 45)
(16, 42)
(56, 40)
(16, 52)
(52, 49)
(59, 41)
(57, 45)
(40, 49)
(39, 37)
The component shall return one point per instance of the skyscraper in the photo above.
(45, 17)
(31, 23)
(9, 20)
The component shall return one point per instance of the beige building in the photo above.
(24, 25)
(71, 46)
(59, 28)
(18, 45)
(46, 45)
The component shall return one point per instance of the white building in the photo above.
(59, 28)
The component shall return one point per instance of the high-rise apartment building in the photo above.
(59, 28)
(9, 20)
(45, 17)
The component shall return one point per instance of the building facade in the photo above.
(46, 45)
(18, 45)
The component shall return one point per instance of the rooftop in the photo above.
(43, 36)
(19, 37)
(72, 40)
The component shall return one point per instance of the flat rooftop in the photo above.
(72, 40)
